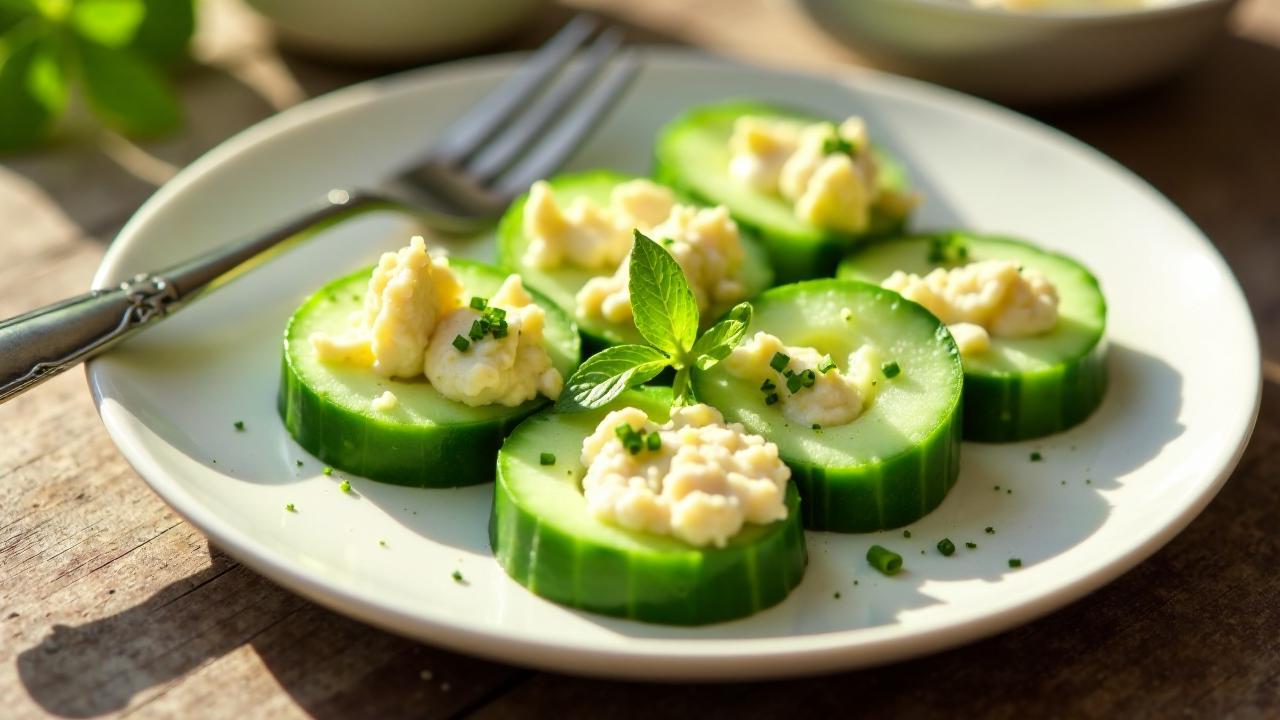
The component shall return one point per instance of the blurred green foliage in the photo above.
(114, 51)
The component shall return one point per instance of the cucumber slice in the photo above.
(427, 440)
(1023, 387)
(545, 538)
(896, 461)
(692, 155)
(562, 284)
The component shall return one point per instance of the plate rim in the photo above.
(646, 658)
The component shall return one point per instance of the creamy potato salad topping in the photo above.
(694, 477)
(413, 322)
(810, 387)
(706, 244)
(982, 299)
(408, 293)
(827, 171)
(505, 367)
(588, 235)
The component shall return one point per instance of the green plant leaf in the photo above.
(32, 87)
(666, 313)
(606, 374)
(716, 343)
(682, 388)
(112, 23)
(166, 30)
(125, 91)
(13, 12)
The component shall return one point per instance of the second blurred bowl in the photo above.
(1028, 56)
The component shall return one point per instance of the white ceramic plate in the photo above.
(1185, 388)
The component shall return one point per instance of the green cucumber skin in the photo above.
(389, 452)
(1010, 407)
(898, 491)
(889, 492)
(686, 586)
(510, 242)
(795, 257)
(397, 453)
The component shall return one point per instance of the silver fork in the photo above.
(520, 132)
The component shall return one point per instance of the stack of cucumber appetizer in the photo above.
(832, 403)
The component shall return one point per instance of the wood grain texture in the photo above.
(110, 605)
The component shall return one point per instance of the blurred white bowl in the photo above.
(393, 31)
(1023, 56)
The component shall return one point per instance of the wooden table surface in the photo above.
(112, 605)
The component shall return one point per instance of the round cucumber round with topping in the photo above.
(692, 155)
(546, 539)
(426, 440)
(562, 284)
(895, 461)
(1025, 387)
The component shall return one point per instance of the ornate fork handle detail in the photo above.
(150, 297)
(46, 341)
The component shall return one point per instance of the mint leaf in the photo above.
(606, 374)
(166, 30)
(682, 388)
(112, 23)
(665, 310)
(31, 88)
(126, 92)
(716, 343)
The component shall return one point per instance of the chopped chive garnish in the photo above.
(290, 507)
(479, 303)
(788, 373)
(299, 462)
(653, 441)
(906, 534)
(815, 426)
(478, 328)
(989, 530)
(808, 378)
(839, 146)
(1015, 562)
(345, 486)
(946, 547)
(767, 385)
(457, 577)
(496, 313)
(1036, 457)
(827, 365)
(546, 459)
(793, 384)
(971, 545)
(239, 425)
(461, 343)
(500, 331)
(884, 560)
(779, 361)
(771, 398)
(891, 369)
(327, 470)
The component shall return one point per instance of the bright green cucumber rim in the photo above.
(785, 293)
(1091, 282)
(539, 299)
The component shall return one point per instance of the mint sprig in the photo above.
(666, 314)
(113, 50)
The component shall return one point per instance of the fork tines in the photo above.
(530, 124)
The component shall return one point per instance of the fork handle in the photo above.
(39, 344)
